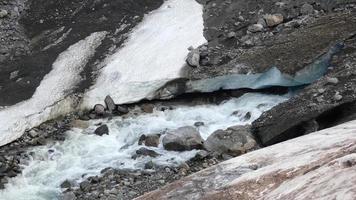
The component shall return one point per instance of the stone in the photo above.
(149, 165)
(337, 96)
(122, 109)
(99, 109)
(80, 124)
(247, 116)
(102, 130)
(273, 20)
(85, 185)
(231, 35)
(234, 141)
(146, 152)
(198, 124)
(3, 13)
(255, 28)
(150, 140)
(14, 74)
(66, 184)
(262, 22)
(147, 108)
(332, 80)
(193, 58)
(307, 9)
(183, 139)
(110, 104)
(68, 196)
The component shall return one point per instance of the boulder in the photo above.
(147, 108)
(255, 28)
(193, 58)
(307, 9)
(68, 196)
(110, 104)
(149, 140)
(102, 130)
(145, 152)
(183, 139)
(273, 20)
(234, 141)
(99, 110)
(120, 109)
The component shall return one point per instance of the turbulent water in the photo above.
(85, 153)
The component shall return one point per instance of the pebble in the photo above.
(337, 96)
(255, 28)
(274, 20)
(332, 80)
(3, 13)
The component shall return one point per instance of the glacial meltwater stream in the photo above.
(85, 153)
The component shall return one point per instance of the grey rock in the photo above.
(233, 141)
(231, 35)
(307, 9)
(122, 109)
(110, 104)
(85, 185)
(102, 130)
(3, 13)
(198, 124)
(66, 184)
(147, 108)
(332, 80)
(183, 139)
(99, 109)
(150, 140)
(68, 196)
(14, 74)
(255, 28)
(146, 152)
(193, 58)
(337, 96)
(274, 20)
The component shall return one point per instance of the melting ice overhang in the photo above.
(271, 77)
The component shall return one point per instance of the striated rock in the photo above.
(110, 104)
(102, 130)
(302, 168)
(273, 20)
(183, 139)
(234, 141)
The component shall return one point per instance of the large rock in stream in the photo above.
(317, 166)
(183, 139)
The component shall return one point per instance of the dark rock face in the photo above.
(326, 103)
(110, 104)
(183, 139)
(145, 152)
(234, 141)
(102, 130)
(35, 35)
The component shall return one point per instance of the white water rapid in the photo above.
(85, 153)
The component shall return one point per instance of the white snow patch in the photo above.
(51, 97)
(154, 54)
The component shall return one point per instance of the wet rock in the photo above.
(68, 196)
(307, 9)
(255, 28)
(110, 104)
(273, 20)
(247, 116)
(183, 139)
(150, 140)
(3, 13)
(120, 109)
(198, 124)
(102, 130)
(193, 58)
(233, 141)
(66, 184)
(99, 110)
(85, 185)
(146, 152)
(80, 124)
(147, 108)
(149, 165)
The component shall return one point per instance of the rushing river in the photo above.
(85, 153)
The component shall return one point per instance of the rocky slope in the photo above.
(320, 165)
